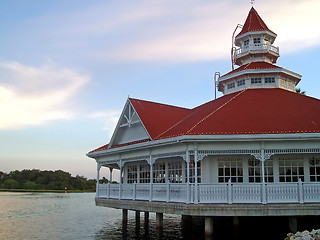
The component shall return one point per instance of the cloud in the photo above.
(166, 31)
(192, 31)
(36, 95)
(108, 118)
(296, 23)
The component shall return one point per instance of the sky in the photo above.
(67, 67)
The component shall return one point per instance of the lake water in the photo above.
(75, 216)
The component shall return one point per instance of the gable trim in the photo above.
(129, 120)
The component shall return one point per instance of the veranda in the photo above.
(258, 177)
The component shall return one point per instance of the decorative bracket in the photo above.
(262, 156)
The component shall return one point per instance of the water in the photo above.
(75, 216)
(72, 216)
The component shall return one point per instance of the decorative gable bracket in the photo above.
(130, 128)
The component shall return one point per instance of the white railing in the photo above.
(256, 47)
(229, 193)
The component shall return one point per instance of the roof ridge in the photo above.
(158, 103)
(215, 111)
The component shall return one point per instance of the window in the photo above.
(231, 85)
(255, 174)
(230, 169)
(254, 167)
(269, 80)
(246, 43)
(145, 173)
(175, 172)
(192, 172)
(159, 173)
(256, 41)
(268, 170)
(255, 80)
(241, 82)
(132, 174)
(290, 169)
(314, 166)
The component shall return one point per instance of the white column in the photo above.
(120, 181)
(264, 194)
(166, 172)
(196, 176)
(306, 169)
(183, 168)
(188, 176)
(188, 167)
(138, 173)
(151, 178)
(110, 174)
(98, 177)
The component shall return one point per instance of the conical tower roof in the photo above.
(254, 23)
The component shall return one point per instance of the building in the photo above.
(253, 152)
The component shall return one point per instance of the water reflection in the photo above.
(225, 228)
(75, 216)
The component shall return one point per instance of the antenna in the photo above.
(232, 47)
(216, 83)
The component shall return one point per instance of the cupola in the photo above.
(255, 54)
(254, 42)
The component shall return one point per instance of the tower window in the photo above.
(255, 80)
(256, 41)
(246, 43)
(241, 82)
(231, 85)
(269, 80)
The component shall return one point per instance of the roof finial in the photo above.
(252, 2)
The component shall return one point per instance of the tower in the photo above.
(256, 56)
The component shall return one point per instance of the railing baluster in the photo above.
(229, 192)
(134, 191)
(300, 191)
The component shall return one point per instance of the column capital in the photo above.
(98, 166)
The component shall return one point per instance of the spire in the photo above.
(254, 23)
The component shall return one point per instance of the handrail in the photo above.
(228, 193)
(255, 47)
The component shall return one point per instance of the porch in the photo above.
(218, 193)
(256, 47)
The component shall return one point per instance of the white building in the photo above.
(253, 152)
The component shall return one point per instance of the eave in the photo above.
(259, 71)
(207, 138)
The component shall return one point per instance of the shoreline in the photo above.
(45, 191)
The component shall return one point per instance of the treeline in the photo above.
(45, 180)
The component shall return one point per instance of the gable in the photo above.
(129, 128)
(157, 117)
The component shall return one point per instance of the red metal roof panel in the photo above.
(158, 117)
(254, 23)
(253, 65)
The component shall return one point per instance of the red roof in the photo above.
(253, 65)
(251, 111)
(254, 23)
(158, 117)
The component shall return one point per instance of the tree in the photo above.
(11, 184)
(298, 90)
(30, 185)
(45, 180)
